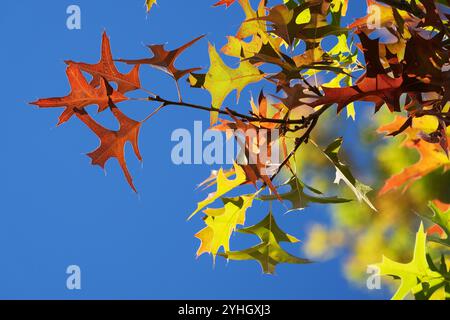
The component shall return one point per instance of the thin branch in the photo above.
(148, 92)
(153, 113)
(304, 138)
(234, 113)
(308, 122)
(180, 99)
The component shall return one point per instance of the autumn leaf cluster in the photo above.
(401, 66)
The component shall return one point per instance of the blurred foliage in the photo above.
(366, 235)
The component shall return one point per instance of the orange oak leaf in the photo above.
(260, 110)
(106, 68)
(112, 143)
(432, 157)
(436, 229)
(442, 205)
(82, 94)
(165, 60)
(254, 145)
(224, 3)
(386, 17)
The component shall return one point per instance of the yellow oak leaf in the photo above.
(149, 4)
(221, 80)
(224, 185)
(221, 223)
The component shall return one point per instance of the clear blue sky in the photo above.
(57, 210)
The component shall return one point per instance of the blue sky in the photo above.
(57, 210)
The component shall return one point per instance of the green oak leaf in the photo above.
(416, 275)
(440, 291)
(300, 199)
(268, 252)
(343, 173)
(442, 219)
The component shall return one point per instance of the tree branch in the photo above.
(314, 118)
(308, 122)
(302, 121)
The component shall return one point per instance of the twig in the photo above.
(234, 113)
(304, 138)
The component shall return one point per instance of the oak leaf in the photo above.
(343, 173)
(224, 185)
(165, 60)
(221, 80)
(256, 30)
(298, 197)
(268, 252)
(255, 154)
(82, 94)
(376, 85)
(384, 16)
(106, 69)
(112, 143)
(221, 223)
(226, 3)
(441, 220)
(149, 4)
(416, 273)
(431, 155)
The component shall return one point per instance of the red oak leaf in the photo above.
(105, 68)
(112, 143)
(224, 3)
(375, 85)
(380, 89)
(165, 60)
(82, 94)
